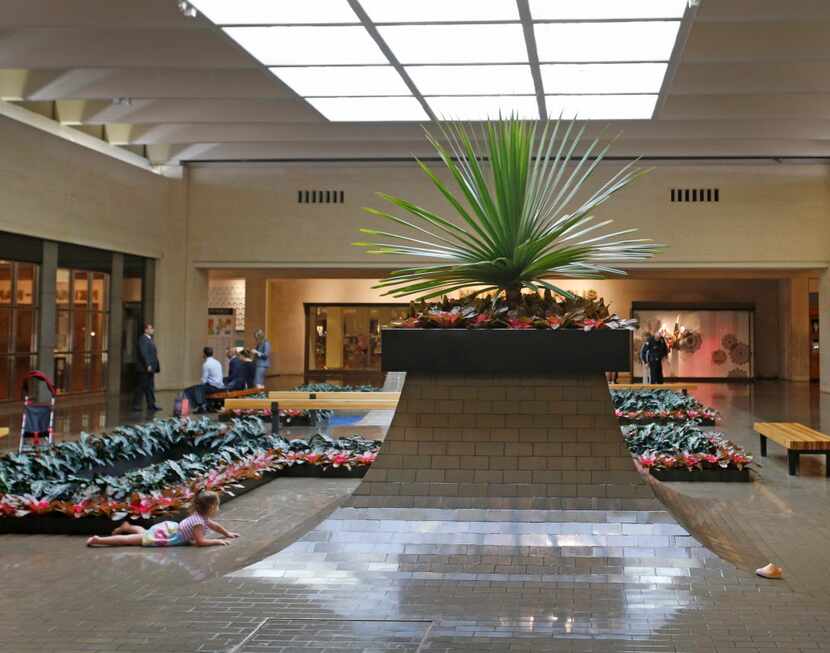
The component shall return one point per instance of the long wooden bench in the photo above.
(291, 395)
(796, 439)
(677, 387)
(313, 404)
(233, 394)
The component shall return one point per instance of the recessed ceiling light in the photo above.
(601, 107)
(625, 41)
(606, 9)
(262, 12)
(603, 77)
(472, 80)
(309, 46)
(343, 81)
(413, 44)
(484, 107)
(436, 11)
(370, 109)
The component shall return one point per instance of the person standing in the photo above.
(656, 353)
(262, 351)
(644, 358)
(147, 365)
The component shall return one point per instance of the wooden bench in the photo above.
(233, 394)
(3, 432)
(292, 395)
(796, 439)
(677, 387)
(313, 404)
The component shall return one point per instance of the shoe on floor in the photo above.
(770, 571)
(154, 408)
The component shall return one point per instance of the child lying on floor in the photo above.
(192, 530)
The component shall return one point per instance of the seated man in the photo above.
(211, 382)
(236, 371)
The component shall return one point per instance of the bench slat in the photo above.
(291, 395)
(652, 386)
(315, 404)
(793, 435)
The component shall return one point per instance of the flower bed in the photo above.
(687, 448)
(648, 406)
(151, 471)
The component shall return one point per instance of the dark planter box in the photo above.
(702, 475)
(506, 351)
(642, 422)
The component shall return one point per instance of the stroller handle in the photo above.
(40, 376)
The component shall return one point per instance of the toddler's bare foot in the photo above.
(93, 541)
(770, 571)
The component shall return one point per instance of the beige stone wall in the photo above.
(768, 216)
(500, 441)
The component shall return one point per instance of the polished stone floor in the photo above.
(451, 580)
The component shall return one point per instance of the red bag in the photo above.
(181, 407)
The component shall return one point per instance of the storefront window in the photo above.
(347, 337)
(82, 321)
(18, 324)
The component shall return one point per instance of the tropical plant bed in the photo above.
(661, 406)
(150, 472)
(686, 452)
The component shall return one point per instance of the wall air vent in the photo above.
(695, 195)
(320, 196)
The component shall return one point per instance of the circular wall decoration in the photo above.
(729, 341)
(739, 354)
(719, 357)
(737, 373)
(691, 342)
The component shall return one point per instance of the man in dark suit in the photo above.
(235, 380)
(147, 366)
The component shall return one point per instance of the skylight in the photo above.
(603, 78)
(602, 107)
(472, 80)
(413, 44)
(436, 11)
(466, 59)
(623, 41)
(308, 46)
(484, 107)
(263, 12)
(343, 81)
(606, 9)
(370, 109)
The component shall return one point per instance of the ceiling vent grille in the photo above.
(321, 197)
(695, 195)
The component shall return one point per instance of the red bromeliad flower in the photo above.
(339, 460)
(313, 458)
(366, 458)
(481, 320)
(648, 461)
(739, 460)
(690, 460)
(445, 319)
(589, 325)
(37, 506)
(554, 321)
(520, 323)
(710, 458)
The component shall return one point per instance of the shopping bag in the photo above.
(181, 407)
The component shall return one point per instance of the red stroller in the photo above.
(38, 419)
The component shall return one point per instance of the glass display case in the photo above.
(346, 337)
(705, 341)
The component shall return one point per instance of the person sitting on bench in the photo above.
(235, 380)
(211, 382)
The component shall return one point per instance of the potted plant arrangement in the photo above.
(518, 223)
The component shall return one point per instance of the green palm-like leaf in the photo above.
(514, 195)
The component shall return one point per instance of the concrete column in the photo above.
(116, 325)
(47, 326)
(794, 305)
(148, 291)
(334, 338)
(824, 329)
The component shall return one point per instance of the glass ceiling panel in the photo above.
(472, 80)
(264, 12)
(308, 46)
(606, 9)
(442, 44)
(484, 107)
(343, 80)
(601, 107)
(624, 41)
(603, 78)
(370, 109)
(436, 11)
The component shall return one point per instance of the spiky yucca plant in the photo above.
(517, 224)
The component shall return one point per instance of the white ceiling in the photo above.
(751, 81)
